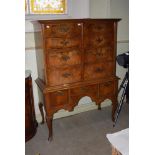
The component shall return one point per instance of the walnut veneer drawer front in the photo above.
(64, 57)
(106, 89)
(62, 30)
(59, 76)
(99, 54)
(84, 90)
(62, 42)
(98, 70)
(98, 40)
(98, 27)
(59, 98)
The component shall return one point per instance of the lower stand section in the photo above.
(67, 98)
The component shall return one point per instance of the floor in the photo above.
(81, 134)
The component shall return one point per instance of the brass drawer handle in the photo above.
(107, 83)
(66, 75)
(61, 93)
(64, 42)
(83, 89)
(99, 39)
(99, 70)
(65, 57)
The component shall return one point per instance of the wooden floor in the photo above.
(81, 134)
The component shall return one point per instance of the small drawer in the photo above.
(64, 57)
(58, 76)
(98, 70)
(84, 90)
(99, 27)
(62, 30)
(59, 98)
(106, 89)
(56, 43)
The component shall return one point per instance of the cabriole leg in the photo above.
(49, 121)
(42, 112)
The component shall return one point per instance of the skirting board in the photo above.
(78, 109)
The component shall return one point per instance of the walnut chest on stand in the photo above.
(78, 58)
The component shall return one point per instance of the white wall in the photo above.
(99, 8)
(120, 9)
(81, 9)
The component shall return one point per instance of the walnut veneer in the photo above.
(77, 59)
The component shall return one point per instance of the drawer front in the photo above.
(66, 57)
(106, 89)
(62, 30)
(64, 75)
(85, 90)
(98, 40)
(98, 34)
(98, 27)
(99, 70)
(62, 43)
(99, 54)
(59, 98)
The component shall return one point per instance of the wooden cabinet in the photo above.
(30, 119)
(77, 59)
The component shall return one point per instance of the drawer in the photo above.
(98, 70)
(99, 27)
(99, 54)
(106, 89)
(58, 76)
(64, 57)
(62, 30)
(59, 98)
(98, 40)
(85, 90)
(62, 43)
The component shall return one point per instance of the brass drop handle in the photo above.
(99, 39)
(83, 89)
(65, 57)
(99, 70)
(66, 75)
(64, 42)
(107, 83)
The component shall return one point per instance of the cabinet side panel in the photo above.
(40, 55)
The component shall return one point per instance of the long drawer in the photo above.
(58, 76)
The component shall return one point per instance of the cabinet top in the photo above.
(79, 20)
